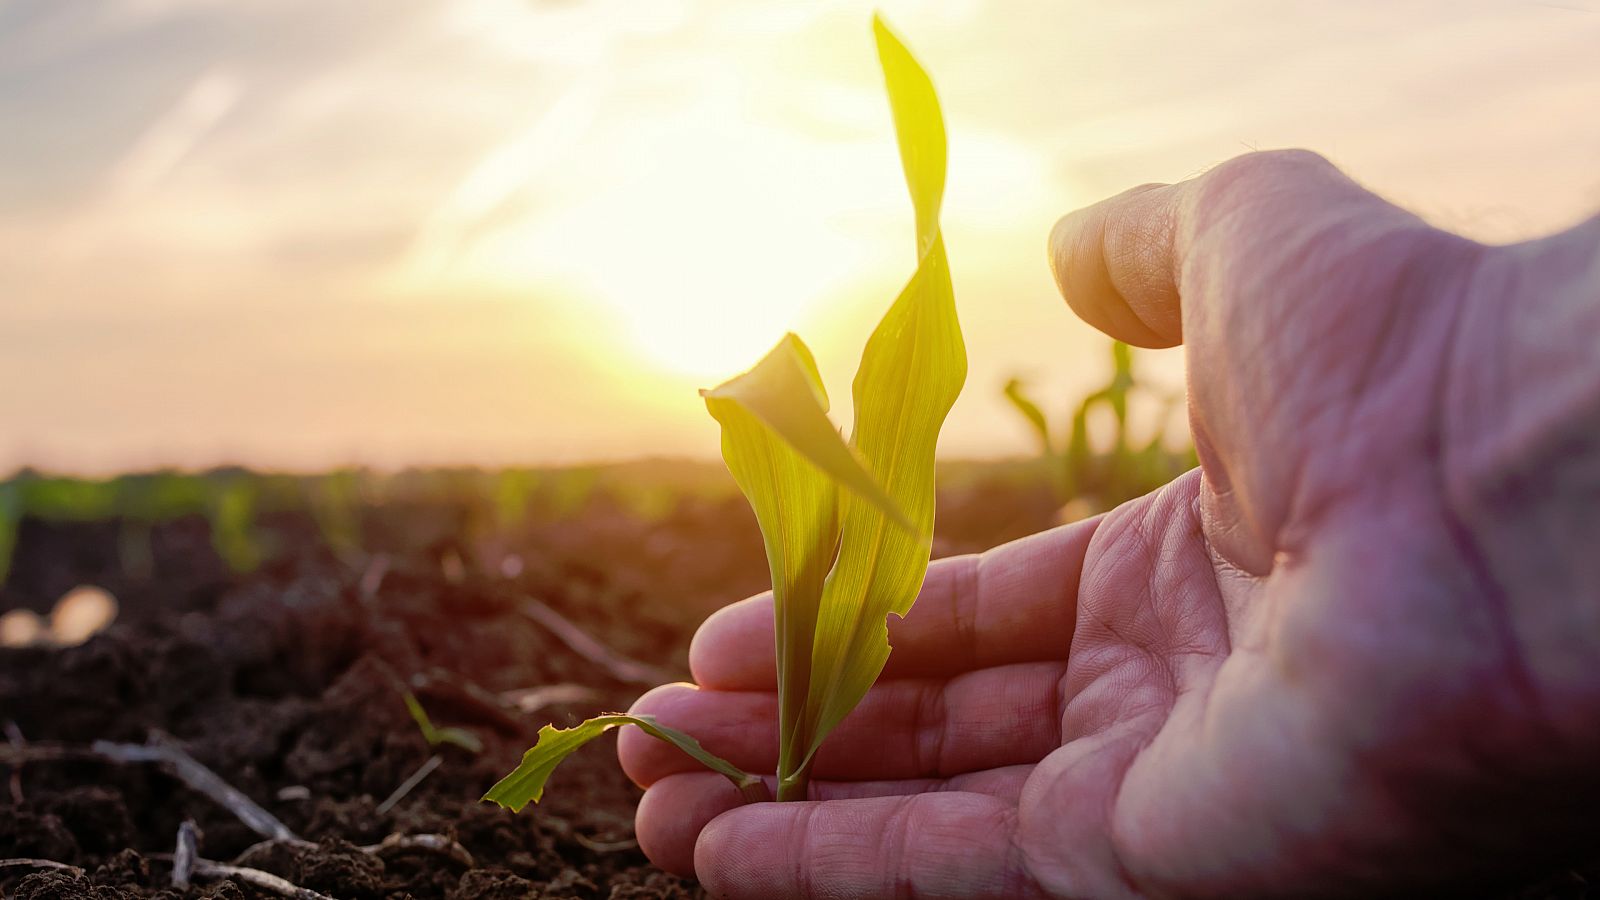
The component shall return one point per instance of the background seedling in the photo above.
(1093, 480)
(435, 735)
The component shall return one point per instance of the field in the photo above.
(273, 638)
(287, 677)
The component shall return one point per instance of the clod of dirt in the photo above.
(496, 884)
(97, 818)
(355, 819)
(334, 757)
(124, 869)
(66, 886)
(653, 884)
(341, 868)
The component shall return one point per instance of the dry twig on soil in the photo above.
(14, 755)
(462, 691)
(580, 642)
(184, 855)
(423, 771)
(23, 863)
(531, 700)
(604, 846)
(166, 752)
(433, 843)
(266, 881)
(394, 843)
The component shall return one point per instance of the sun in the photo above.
(703, 278)
(709, 240)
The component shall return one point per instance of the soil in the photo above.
(287, 683)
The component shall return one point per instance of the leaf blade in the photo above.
(525, 784)
(435, 735)
(912, 371)
(784, 391)
(919, 129)
(1015, 392)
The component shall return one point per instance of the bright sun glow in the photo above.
(723, 234)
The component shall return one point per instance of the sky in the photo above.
(298, 234)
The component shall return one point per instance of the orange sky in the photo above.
(299, 234)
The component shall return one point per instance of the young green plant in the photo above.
(1092, 479)
(847, 526)
(435, 735)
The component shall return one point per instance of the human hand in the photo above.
(1357, 654)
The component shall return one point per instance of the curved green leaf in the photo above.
(10, 516)
(526, 783)
(784, 394)
(919, 126)
(435, 735)
(912, 370)
(1030, 410)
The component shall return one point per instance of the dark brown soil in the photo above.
(286, 683)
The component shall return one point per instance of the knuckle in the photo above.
(1264, 165)
(930, 729)
(896, 850)
(964, 606)
(659, 698)
(1252, 175)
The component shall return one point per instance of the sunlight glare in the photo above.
(724, 235)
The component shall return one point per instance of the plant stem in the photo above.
(795, 785)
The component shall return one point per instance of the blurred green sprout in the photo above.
(1094, 480)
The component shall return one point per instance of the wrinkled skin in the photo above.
(1356, 654)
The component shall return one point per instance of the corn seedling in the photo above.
(513, 494)
(435, 735)
(232, 509)
(1100, 480)
(10, 517)
(847, 526)
(335, 502)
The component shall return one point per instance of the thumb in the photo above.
(1122, 264)
(1299, 297)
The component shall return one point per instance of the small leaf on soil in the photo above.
(526, 784)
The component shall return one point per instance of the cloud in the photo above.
(170, 138)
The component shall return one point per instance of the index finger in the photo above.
(1015, 603)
